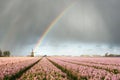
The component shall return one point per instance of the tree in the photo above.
(0, 53)
(6, 53)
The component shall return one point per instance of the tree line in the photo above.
(4, 53)
(111, 55)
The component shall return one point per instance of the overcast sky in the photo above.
(89, 27)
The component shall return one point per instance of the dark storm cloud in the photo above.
(22, 22)
(91, 21)
(110, 11)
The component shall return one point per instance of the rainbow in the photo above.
(48, 29)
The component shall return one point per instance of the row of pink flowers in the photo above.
(96, 60)
(13, 65)
(44, 70)
(6, 60)
(90, 73)
(98, 65)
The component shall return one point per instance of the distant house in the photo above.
(111, 55)
(45, 56)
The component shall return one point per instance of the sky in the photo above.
(87, 27)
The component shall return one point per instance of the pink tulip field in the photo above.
(59, 68)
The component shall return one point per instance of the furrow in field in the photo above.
(109, 68)
(85, 72)
(10, 69)
(44, 70)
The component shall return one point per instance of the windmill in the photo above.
(32, 53)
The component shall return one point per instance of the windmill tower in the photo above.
(32, 53)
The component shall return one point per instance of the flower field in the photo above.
(59, 68)
(11, 65)
(44, 70)
(91, 68)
